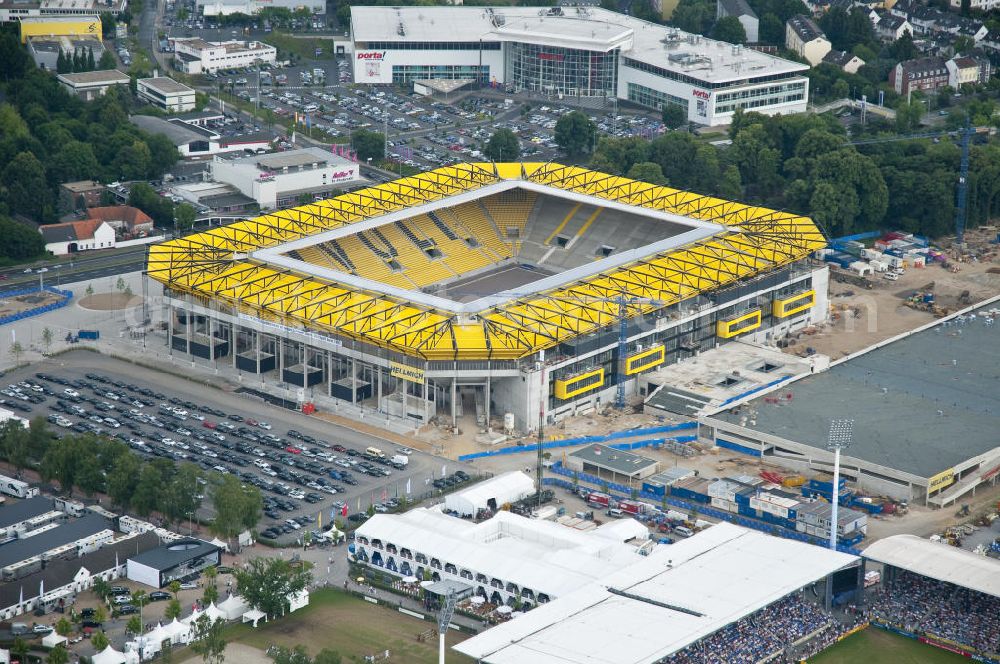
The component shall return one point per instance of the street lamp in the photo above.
(190, 516)
(840, 437)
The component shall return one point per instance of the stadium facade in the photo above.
(574, 52)
(498, 285)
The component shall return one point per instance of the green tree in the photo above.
(756, 159)
(100, 613)
(184, 216)
(368, 144)
(19, 648)
(90, 290)
(62, 67)
(173, 609)
(647, 171)
(575, 134)
(772, 29)
(18, 242)
(64, 627)
(47, 338)
(209, 641)
(174, 587)
(283, 655)
(212, 574)
(327, 656)
(134, 625)
(211, 594)
(729, 29)
(16, 350)
(237, 506)
(123, 480)
(90, 59)
(266, 583)
(674, 116)
(106, 61)
(99, 641)
(502, 146)
(15, 444)
(23, 187)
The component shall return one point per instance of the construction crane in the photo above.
(964, 135)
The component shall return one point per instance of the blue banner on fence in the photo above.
(66, 295)
(586, 440)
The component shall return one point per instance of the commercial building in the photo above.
(175, 560)
(60, 26)
(197, 56)
(505, 559)
(166, 94)
(922, 74)
(193, 141)
(28, 554)
(491, 494)
(251, 7)
(89, 85)
(283, 179)
(61, 579)
(804, 38)
(905, 399)
(579, 52)
(74, 236)
(743, 13)
(469, 272)
(80, 195)
(644, 612)
(18, 10)
(45, 50)
(615, 465)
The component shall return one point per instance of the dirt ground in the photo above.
(882, 312)
(237, 652)
(110, 301)
(15, 305)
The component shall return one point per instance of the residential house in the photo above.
(967, 70)
(890, 27)
(80, 195)
(976, 5)
(804, 37)
(74, 236)
(742, 11)
(921, 74)
(848, 62)
(128, 222)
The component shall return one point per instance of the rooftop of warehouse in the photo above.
(610, 458)
(921, 404)
(575, 27)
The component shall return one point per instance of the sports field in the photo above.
(876, 646)
(352, 627)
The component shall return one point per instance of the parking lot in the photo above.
(303, 466)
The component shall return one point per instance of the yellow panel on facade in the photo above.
(941, 480)
(567, 388)
(82, 26)
(727, 329)
(789, 306)
(644, 360)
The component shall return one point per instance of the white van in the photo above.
(683, 531)
(891, 276)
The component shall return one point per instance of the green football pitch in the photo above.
(876, 646)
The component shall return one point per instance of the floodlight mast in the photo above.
(840, 437)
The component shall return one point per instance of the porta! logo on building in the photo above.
(701, 94)
(371, 55)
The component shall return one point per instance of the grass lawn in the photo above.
(352, 627)
(304, 47)
(876, 646)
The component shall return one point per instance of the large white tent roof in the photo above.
(109, 656)
(541, 555)
(506, 488)
(661, 604)
(938, 561)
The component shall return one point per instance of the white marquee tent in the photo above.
(109, 656)
(233, 607)
(506, 488)
(177, 632)
(52, 639)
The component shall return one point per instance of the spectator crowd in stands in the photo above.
(929, 607)
(759, 635)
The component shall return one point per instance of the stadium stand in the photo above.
(510, 211)
(940, 610)
(472, 217)
(759, 636)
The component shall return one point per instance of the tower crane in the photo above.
(964, 135)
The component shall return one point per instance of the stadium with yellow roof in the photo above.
(504, 284)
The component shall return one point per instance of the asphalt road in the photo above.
(75, 365)
(83, 268)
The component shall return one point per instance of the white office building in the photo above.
(251, 7)
(580, 52)
(166, 94)
(282, 179)
(197, 56)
